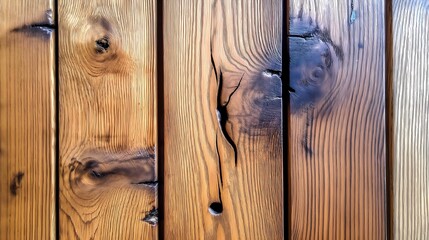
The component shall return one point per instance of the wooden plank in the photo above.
(337, 121)
(410, 120)
(223, 135)
(107, 71)
(27, 120)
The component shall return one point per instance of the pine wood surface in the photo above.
(410, 126)
(107, 74)
(337, 126)
(27, 118)
(223, 151)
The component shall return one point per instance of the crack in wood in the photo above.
(221, 109)
(222, 113)
(42, 29)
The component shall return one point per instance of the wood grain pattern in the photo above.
(27, 88)
(223, 152)
(410, 120)
(107, 70)
(337, 122)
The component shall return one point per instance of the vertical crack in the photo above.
(220, 164)
(221, 109)
(222, 113)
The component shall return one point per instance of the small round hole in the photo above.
(216, 208)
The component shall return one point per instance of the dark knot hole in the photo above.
(215, 208)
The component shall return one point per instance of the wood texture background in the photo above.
(337, 122)
(107, 119)
(222, 68)
(222, 126)
(410, 210)
(27, 204)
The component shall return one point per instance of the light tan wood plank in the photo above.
(337, 124)
(107, 119)
(27, 120)
(223, 120)
(410, 213)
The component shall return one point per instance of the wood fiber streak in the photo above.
(337, 124)
(27, 125)
(410, 120)
(107, 70)
(223, 134)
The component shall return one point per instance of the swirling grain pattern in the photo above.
(337, 123)
(410, 126)
(27, 125)
(223, 134)
(107, 116)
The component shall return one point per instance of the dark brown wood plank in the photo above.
(107, 68)
(223, 135)
(410, 126)
(27, 123)
(337, 121)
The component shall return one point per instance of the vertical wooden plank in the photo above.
(223, 135)
(107, 69)
(27, 125)
(410, 119)
(337, 133)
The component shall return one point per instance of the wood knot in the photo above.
(102, 44)
(97, 169)
(313, 63)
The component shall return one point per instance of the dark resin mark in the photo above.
(151, 184)
(216, 208)
(38, 29)
(97, 168)
(353, 14)
(222, 113)
(313, 58)
(16, 183)
(306, 144)
(102, 44)
(151, 217)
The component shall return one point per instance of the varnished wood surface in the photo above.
(410, 155)
(337, 120)
(27, 88)
(223, 152)
(107, 72)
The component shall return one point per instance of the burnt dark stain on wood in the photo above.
(151, 217)
(312, 68)
(41, 29)
(102, 45)
(264, 93)
(16, 183)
